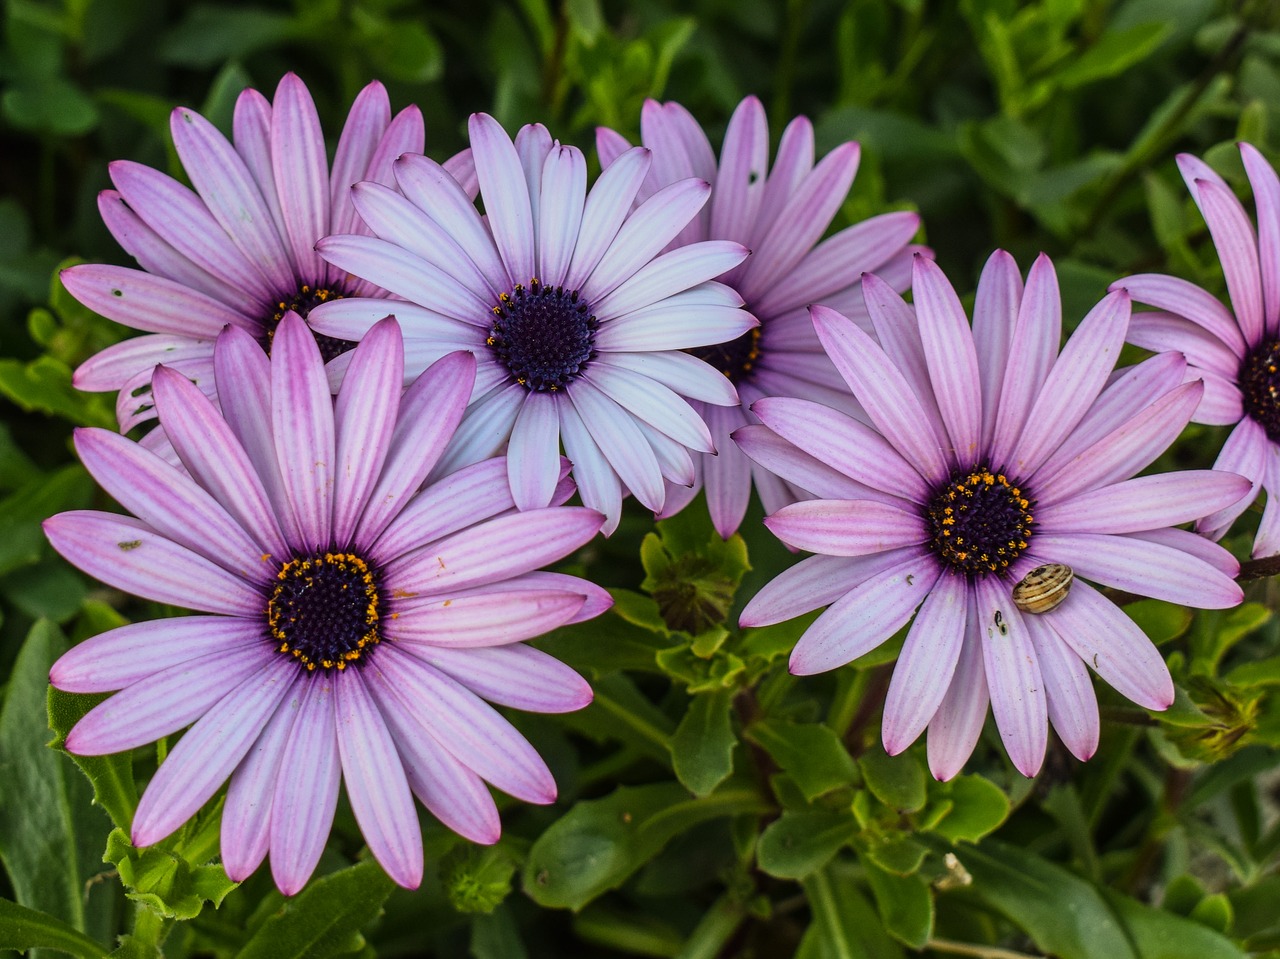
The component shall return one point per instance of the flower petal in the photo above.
(209, 751)
(1145, 502)
(846, 527)
(302, 424)
(956, 726)
(533, 452)
(506, 195)
(865, 617)
(1073, 708)
(926, 664)
(488, 618)
(1014, 680)
(301, 171)
(517, 676)
(376, 783)
(131, 556)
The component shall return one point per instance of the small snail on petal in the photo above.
(1043, 588)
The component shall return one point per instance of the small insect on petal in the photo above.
(1043, 588)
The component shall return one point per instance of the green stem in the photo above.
(969, 949)
(797, 11)
(716, 927)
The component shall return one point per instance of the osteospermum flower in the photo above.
(353, 623)
(780, 214)
(238, 250)
(576, 323)
(989, 455)
(1235, 353)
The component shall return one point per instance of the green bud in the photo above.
(477, 879)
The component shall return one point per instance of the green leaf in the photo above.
(906, 905)
(22, 540)
(22, 929)
(213, 33)
(51, 838)
(801, 842)
(111, 776)
(322, 919)
(702, 747)
(598, 844)
(844, 924)
(44, 386)
(897, 781)
(621, 712)
(979, 806)
(1217, 631)
(811, 754)
(1115, 52)
(51, 105)
(495, 935)
(1161, 935)
(1161, 621)
(1063, 914)
(161, 877)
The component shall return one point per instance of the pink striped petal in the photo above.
(846, 527)
(506, 195)
(1112, 644)
(301, 172)
(516, 676)
(995, 313)
(1146, 502)
(956, 726)
(376, 783)
(533, 452)
(926, 664)
(306, 793)
(564, 194)
(1073, 708)
(1266, 198)
(486, 618)
(208, 752)
(1237, 250)
(150, 303)
(1013, 676)
(816, 581)
(607, 206)
(620, 441)
(1184, 298)
(131, 556)
(949, 352)
(739, 184)
(865, 617)
(302, 424)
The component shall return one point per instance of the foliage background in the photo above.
(1045, 126)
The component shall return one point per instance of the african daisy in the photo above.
(353, 622)
(576, 322)
(989, 455)
(780, 214)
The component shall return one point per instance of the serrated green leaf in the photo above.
(800, 842)
(979, 806)
(897, 781)
(22, 929)
(51, 838)
(320, 921)
(703, 743)
(598, 844)
(810, 753)
(162, 879)
(111, 776)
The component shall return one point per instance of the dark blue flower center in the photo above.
(303, 302)
(324, 610)
(1260, 384)
(735, 359)
(979, 521)
(544, 335)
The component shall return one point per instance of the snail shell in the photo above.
(1043, 588)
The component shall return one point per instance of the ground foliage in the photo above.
(710, 804)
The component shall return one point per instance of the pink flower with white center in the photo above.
(780, 214)
(576, 322)
(989, 455)
(1235, 352)
(239, 250)
(353, 621)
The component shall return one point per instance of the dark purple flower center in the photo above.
(303, 302)
(979, 521)
(324, 610)
(735, 359)
(1260, 384)
(544, 335)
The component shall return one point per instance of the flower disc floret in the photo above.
(324, 610)
(735, 359)
(544, 335)
(1260, 387)
(303, 302)
(979, 522)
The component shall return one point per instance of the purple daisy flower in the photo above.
(240, 249)
(780, 214)
(988, 456)
(576, 323)
(354, 622)
(1235, 353)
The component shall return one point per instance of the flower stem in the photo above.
(969, 949)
